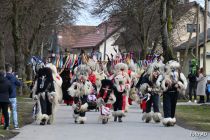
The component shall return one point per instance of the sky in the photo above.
(85, 18)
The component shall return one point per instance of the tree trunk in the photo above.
(2, 55)
(167, 51)
(19, 56)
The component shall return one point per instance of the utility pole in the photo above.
(105, 37)
(205, 35)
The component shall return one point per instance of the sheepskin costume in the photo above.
(152, 90)
(105, 100)
(57, 80)
(173, 83)
(80, 90)
(120, 94)
(122, 69)
(99, 77)
(44, 94)
(133, 91)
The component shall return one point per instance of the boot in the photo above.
(207, 98)
(115, 118)
(43, 122)
(120, 119)
(104, 121)
(201, 100)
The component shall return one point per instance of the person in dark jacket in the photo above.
(14, 82)
(5, 92)
(192, 86)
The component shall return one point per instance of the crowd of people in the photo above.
(8, 100)
(109, 88)
(199, 85)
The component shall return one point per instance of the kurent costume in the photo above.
(47, 92)
(173, 83)
(149, 88)
(105, 100)
(121, 90)
(79, 90)
(68, 100)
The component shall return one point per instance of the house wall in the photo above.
(207, 58)
(109, 46)
(180, 34)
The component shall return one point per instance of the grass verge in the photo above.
(194, 117)
(24, 117)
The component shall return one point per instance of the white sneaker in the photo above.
(16, 128)
(195, 101)
(189, 101)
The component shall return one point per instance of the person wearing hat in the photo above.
(5, 92)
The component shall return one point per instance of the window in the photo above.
(180, 1)
(191, 28)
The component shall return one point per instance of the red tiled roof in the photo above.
(71, 33)
(94, 39)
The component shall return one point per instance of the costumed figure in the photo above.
(105, 100)
(95, 78)
(121, 90)
(173, 83)
(133, 94)
(152, 92)
(80, 90)
(47, 92)
(68, 100)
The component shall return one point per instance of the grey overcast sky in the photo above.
(85, 18)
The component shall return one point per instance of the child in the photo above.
(208, 91)
(2, 120)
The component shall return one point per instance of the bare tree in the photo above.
(31, 22)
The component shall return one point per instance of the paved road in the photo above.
(132, 128)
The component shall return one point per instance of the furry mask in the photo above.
(92, 64)
(172, 70)
(56, 76)
(121, 68)
(74, 90)
(82, 73)
(120, 83)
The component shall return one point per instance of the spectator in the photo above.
(5, 92)
(201, 87)
(192, 86)
(14, 82)
(208, 91)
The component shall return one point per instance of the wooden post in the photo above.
(197, 32)
(205, 35)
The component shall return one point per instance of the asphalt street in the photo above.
(131, 128)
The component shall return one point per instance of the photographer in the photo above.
(14, 82)
(5, 92)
